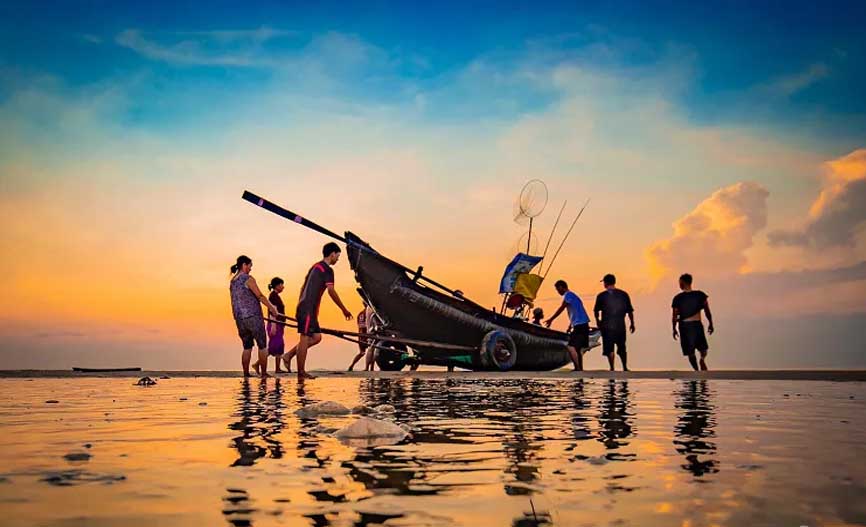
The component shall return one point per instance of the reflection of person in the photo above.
(259, 417)
(687, 307)
(614, 416)
(611, 307)
(319, 278)
(246, 298)
(578, 322)
(694, 427)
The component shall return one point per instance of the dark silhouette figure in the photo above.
(695, 427)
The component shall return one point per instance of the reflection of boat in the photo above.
(414, 310)
(442, 326)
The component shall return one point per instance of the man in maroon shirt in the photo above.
(319, 278)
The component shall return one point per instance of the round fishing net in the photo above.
(531, 202)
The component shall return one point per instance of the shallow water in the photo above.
(515, 452)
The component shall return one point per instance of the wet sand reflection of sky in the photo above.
(517, 452)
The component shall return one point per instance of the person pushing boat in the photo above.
(276, 340)
(362, 342)
(319, 278)
(246, 299)
(578, 321)
(687, 307)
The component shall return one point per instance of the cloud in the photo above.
(791, 84)
(712, 239)
(838, 213)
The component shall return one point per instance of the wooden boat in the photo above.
(442, 326)
(411, 308)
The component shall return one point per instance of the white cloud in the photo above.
(838, 214)
(712, 239)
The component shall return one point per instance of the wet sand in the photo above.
(740, 375)
(485, 449)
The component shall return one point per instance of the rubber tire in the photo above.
(390, 359)
(489, 357)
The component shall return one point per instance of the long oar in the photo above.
(410, 342)
(553, 230)
(300, 220)
(579, 214)
(297, 218)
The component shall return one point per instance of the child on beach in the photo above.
(276, 343)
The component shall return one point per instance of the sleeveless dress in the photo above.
(277, 344)
(247, 312)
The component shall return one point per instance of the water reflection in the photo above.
(695, 427)
(615, 416)
(260, 419)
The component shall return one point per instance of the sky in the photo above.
(727, 140)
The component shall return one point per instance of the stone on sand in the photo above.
(367, 428)
(322, 408)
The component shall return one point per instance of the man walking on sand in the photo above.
(319, 278)
(578, 322)
(613, 305)
(687, 307)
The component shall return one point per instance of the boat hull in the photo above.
(413, 310)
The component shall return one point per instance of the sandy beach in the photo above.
(737, 375)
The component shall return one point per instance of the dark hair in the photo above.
(560, 283)
(686, 278)
(330, 248)
(242, 260)
(609, 279)
(275, 282)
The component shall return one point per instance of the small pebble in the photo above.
(87, 445)
(51, 401)
(202, 403)
(183, 399)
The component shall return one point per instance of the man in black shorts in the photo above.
(319, 278)
(613, 305)
(687, 307)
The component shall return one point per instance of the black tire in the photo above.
(498, 351)
(390, 356)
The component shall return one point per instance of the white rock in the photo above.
(322, 408)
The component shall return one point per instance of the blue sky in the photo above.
(788, 64)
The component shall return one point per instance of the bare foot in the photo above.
(578, 369)
(626, 369)
(265, 375)
(302, 375)
(247, 374)
(278, 371)
(256, 367)
(703, 365)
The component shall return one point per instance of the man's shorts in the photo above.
(308, 322)
(692, 337)
(579, 337)
(611, 338)
(252, 330)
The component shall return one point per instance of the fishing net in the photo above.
(531, 202)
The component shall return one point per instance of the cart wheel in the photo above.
(390, 356)
(498, 351)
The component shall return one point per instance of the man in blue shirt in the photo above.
(578, 321)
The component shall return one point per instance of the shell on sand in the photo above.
(371, 432)
(322, 408)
